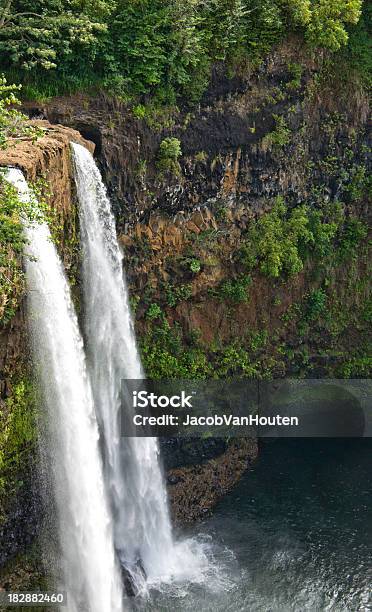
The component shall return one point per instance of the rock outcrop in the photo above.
(289, 129)
(194, 490)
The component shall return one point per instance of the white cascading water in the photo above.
(142, 528)
(92, 578)
(133, 475)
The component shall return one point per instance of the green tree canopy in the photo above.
(167, 46)
(327, 24)
(39, 33)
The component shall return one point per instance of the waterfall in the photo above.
(142, 529)
(92, 579)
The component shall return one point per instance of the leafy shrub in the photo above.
(296, 74)
(169, 152)
(176, 294)
(280, 136)
(195, 266)
(170, 148)
(134, 301)
(165, 354)
(357, 367)
(351, 234)
(358, 184)
(324, 224)
(367, 310)
(326, 25)
(191, 263)
(235, 290)
(274, 241)
(234, 360)
(315, 304)
(201, 156)
(139, 111)
(358, 52)
(281, 240)
(154, 312)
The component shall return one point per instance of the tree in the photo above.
(161, 47)
(299, 11)
(328, 19)
(156, 44)
(324, 21)
(37, 33)
(225, 25)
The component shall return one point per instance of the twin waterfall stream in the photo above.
(110, 496)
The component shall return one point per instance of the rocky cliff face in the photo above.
(252, 137)
(295, 128)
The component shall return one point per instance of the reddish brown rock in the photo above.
(193, 491)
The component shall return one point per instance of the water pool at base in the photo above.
(295, 535)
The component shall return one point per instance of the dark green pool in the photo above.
(295, 535)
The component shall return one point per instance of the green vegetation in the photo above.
(169, 152)
(315, 304)
(325, 24)
(194, 265)
(235, 290)
(273, 241)
(357, 367)
(296, 74)
(161, 47)
(153, 312)
(13, 123)
(358, 53)
(39, 34)
(175, 294)
(17, 432)
(280, 136)
(165, 355)
(352, 233)
(167, 352)
(280, 241)
(326, 326)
